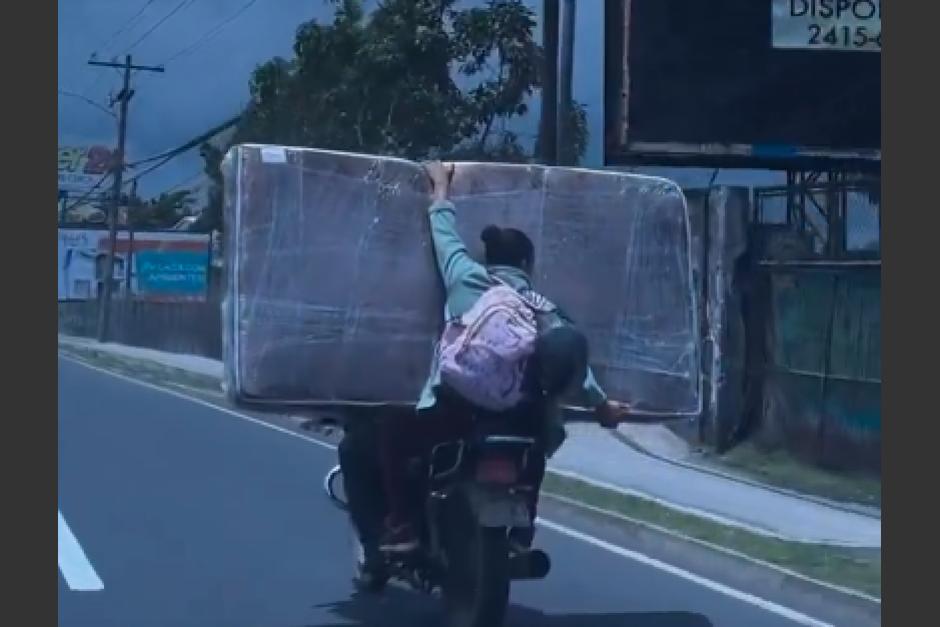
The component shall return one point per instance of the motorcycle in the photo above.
(475, 498)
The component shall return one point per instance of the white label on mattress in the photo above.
(273, 154)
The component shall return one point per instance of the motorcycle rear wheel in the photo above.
(475, 588)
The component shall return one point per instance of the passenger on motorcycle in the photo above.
(560, 358)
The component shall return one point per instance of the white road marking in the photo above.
(199, 401)
(74, 565)
(715, 586)
(764, 604)
(709, 545)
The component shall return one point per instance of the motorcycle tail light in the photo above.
(497, 470)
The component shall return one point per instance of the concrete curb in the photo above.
(858, 594)
(702, 514)
(850, 508)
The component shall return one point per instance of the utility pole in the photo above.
(124, 97)
(565, 76)
(129, 267)
(548, 142)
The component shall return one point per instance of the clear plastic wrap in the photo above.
(333, 297)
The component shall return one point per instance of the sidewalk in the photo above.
(595, 455)
(190, 363)
(660, 442)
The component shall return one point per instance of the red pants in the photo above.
(408, 436)
(405, 436)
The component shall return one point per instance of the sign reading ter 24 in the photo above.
(850, 25)
(80, 167)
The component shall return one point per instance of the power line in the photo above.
(164, 158)
(191, 143)
(186, 181)
(130, 23)
(212, 32)
(87, 100)
(92, 86)
(87, 194)
(155, 166)
(182, 5)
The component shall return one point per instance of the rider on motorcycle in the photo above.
(561, 355)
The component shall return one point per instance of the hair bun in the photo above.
(491, 235)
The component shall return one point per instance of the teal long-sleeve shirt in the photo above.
(465, 280)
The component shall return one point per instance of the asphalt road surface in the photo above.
(175, 513)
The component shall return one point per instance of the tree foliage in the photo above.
(414, 78)
(211, 217)
(163, 211)
(577, 131)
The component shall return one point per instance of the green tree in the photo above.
(415, 78)
(211, 217)
(163, 211)
(577, 130)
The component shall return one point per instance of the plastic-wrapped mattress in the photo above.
(333, 296)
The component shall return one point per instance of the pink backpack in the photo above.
(483, 353)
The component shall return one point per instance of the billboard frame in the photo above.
(621, 150)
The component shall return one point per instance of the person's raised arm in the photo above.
(451, 254)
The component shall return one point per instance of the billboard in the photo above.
(81, 167)
(848, 25)
(762, 83)
(162, 266)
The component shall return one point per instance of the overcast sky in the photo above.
(199, 90)
(209, 84)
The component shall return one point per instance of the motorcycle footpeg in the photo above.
(534, 564)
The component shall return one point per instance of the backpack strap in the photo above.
(532, 298)
(538, 302)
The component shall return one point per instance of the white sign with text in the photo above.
(846, 25)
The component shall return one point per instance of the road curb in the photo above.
(849, 508)
(728, 552)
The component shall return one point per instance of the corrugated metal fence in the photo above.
(822, 374)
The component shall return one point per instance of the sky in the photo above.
(198, 90)
(209, 84)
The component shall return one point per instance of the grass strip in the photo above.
(857, 569)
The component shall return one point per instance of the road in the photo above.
(176, 513)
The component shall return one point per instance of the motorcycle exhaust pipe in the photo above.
(534, 564)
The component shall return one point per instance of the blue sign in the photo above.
(171, 272)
